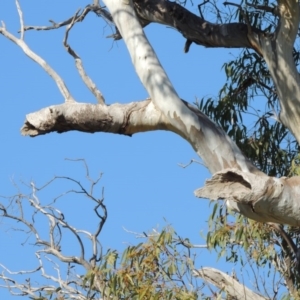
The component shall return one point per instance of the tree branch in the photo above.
(269, 9)
(79, 18)
(59, 82)
(124, 119)
(227, 283)
(277, 50)
(85, 78)
(166, 111)
(70, 285)
(194, 28)
(258, 197)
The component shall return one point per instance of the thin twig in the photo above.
(55, 25)
(232, 4)
(191, 162)
(273, 10)
(199, 7)
(70, 288)
(85, 78)
(21, 19)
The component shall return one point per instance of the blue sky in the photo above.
(144, 185)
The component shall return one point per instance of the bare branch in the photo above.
(85, 78)
(191, 162)
(124, 119)
(64, 284)
(58, 80)
(273, 10)
(143, 235)
(22, 272)
(155, 233)
(99, 203)
(29, 225)
(79, 18)
(229, 284)
(92, 181)
(232, 4)
(196, 29)
(21, 19)
(71, 286)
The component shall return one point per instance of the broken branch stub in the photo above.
(256, 196)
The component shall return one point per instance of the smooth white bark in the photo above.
(228, 283)
(277, 50)
(260, 197)
(218, 147)
(212, 145)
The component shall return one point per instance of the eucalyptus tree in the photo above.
(253, 171)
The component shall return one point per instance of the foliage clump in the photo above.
(159, 268)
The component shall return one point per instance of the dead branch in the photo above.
(227, 283)
(20, 42)
(20, 18)
(79, 18)
(191, 162)
(273, 10)
(69, 284)
(85, 78)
